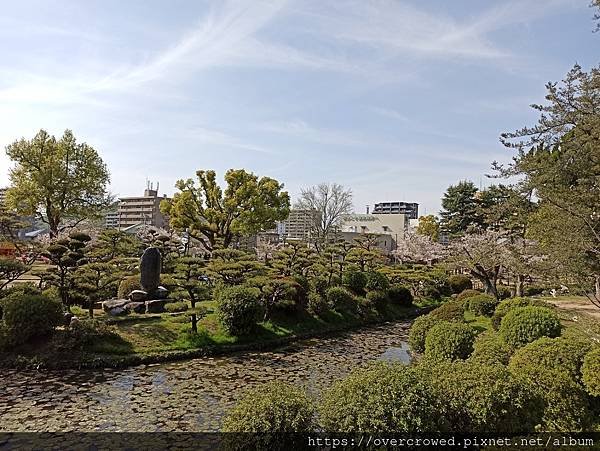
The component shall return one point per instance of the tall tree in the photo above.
(247, 205)
(329, 202)
(61, 181)
(459, 208)
(429, 226)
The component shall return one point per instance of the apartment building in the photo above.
(411, 209)
(297, 226)
(143, 210)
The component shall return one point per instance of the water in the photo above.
(188, 395)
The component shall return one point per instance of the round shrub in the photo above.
(523, 325)
(431, 291)
(341, 299)
(476, 398)
(317, 304)
(467, 294)
(377, 281)
(566, 407)
(174, 307)
(27, 316)
(449, 311)
(127, 285)
(489, 349)
(560, 353)
(482, 305)
(533, 290)
(366, 308)
(379, 398)
(418, 332)
(503, 292)
(238, 309)
(449, 341)
(591, 372)
(379, 299)
(505, 306)
(459, 283)
(400, 295)
(274, 410)
(355, 280)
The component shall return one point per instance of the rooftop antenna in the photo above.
(157, 186)
(367, 209)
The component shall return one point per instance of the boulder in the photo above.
(160, 293)
(137, 307)
(156, 306)
(138, 296)
(74, 321)
(67, 316)
(107, 306)
(150, 267)
(118, 311)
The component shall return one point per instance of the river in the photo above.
(189, 395)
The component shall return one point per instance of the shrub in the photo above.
(489, 349)
(449, 341)
(418, 332)
(505, 306)
(174, 307)
(377, 281)
(566, 406)
(127, 285)
(88, 332)
(503, 292)
(400, 295)
(459, 283)
(238, 309)
(431, 291)
(560, 353)
(533, 290)
(52, 293)
(274, 409)
(366, 308)
(317, 304)
(591, 372)
(379, 398)
(450, 311)
(467, 294)
(476, 398)
(319, 284)
(355, 280)
(379, 299)
(482, 304)
(28, 316)
(341, 299)
(523, 325)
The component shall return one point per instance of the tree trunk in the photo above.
(193, 316)
(597, 286)
(519, 285)
(91, 308)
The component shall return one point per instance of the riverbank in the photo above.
(166, 338)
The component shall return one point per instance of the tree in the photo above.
(273, 289)
(329, 202)
(189, 276)
(211, 215)
(11, 270)
(61, 181)
(233, 266)
(429, 226)
(418, 248)
(459, 208)
(365, 254)
(97, 281)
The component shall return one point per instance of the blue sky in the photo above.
(394, 99)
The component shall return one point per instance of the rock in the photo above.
(160, 293)
(118, 311)
(67, 318)
(74, 321)
(114, 303)
(156, 306)
(150, 267)
(137, 307)
(138, 296)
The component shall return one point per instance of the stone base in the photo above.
(107, 306)
(137, 307)
(156, 306)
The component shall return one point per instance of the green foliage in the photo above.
(476, 398)
(459, 208)
(273, 290)
(449, 311)
(186, 278)
(378, 298)
(418, 331)
(449, 341)
(533, 290)
(211, 215)
(400, 295)
(489, 349)
(523, 325)
(234, 266)
(508, 304)
(317, 304)
(482, 305)
(459, 283)
(565, 354)
(355, 280)
(61, 178)
(377, 281)
(87, 332)
(423, 281)
(591, 372)
(379, 398)
(503, 292)
(10, 270)
(272, 409)
(366, 307)
(238, 309)
(341, 299)
(26, 316)
(174, 307)
(429, 226)
(127, 285)
(467, 294)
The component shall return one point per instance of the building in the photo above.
(111, 219)
(394, 225)
(411, 209)
(143, 210)
(297, 226)
(3, 195)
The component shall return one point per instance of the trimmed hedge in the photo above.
(459, 283)
(449, 311)
(341, 299)
(482, 304)
(317, 304)
(449, 341)
(418, 332)
(508, 304)
(467, 294)
(380, 398)
(355, 280)
(174, 307)
(127, 285)
(377, 281)
(591, 372)
(489, 349)
(238, 309)
(400, 295)
(523, 325)
(379, 299)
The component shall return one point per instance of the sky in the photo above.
(393, 99)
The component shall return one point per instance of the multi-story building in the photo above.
(143, 210)
(3, 195)
(297, 226)
(111, 219)
(394, 225)
(411, 209)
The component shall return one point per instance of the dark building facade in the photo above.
(411, 209)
